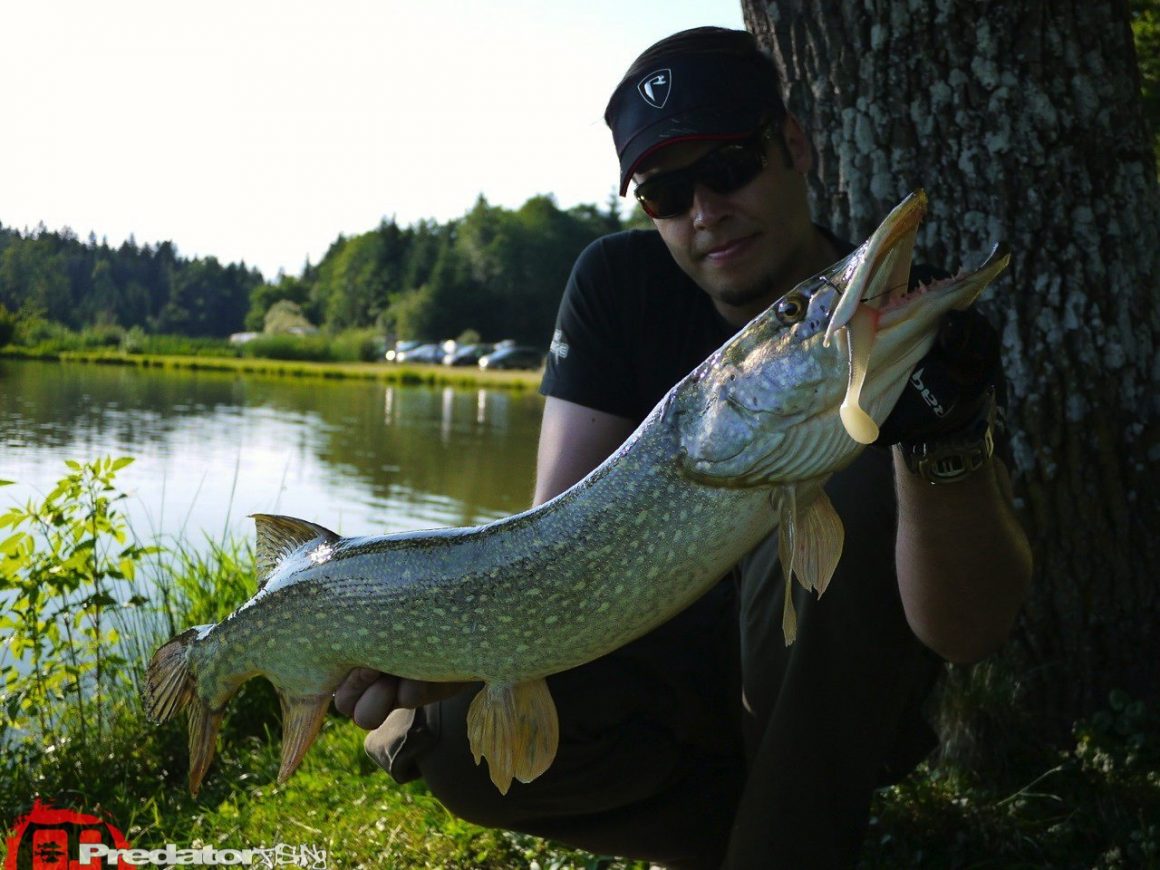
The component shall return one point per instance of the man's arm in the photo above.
(963, 560)
(573, 441)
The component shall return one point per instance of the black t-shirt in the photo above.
(841, 709)
(631, 324)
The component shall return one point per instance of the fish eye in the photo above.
(790, 308)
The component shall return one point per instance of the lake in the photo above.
(211, 448)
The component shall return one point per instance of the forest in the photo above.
(495, 271)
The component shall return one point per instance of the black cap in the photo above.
(690, 97)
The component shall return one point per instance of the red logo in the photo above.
(50, 839)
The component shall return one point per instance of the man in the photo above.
(671, 749)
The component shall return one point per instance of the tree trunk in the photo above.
(1023, 122)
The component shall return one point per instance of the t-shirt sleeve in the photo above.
(588, 362)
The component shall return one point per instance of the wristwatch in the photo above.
(949, 457)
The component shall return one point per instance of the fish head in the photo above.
(767, 407)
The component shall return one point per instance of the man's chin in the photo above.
(739, 305)
(744, 298)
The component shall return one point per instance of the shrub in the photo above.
(7, 326)
(36, 333)
(137, 341)
(358, 345)
(100, 335)
(298, 348)
(67, 574)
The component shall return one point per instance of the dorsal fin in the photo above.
(278, 537)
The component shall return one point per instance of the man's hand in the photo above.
(368, 696)
(949, 386)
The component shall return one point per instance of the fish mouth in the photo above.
(906, 325)
(885, 326)
(879, 270)
(958, 291)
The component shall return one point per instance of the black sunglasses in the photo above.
(723, 170)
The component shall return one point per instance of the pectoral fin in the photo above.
(818, 544)
(515, 727)
(301, 721)
(809, 546)
(787, 534)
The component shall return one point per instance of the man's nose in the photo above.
(709, 207)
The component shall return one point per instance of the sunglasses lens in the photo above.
(663, 197)
(733, 167)
(722, 170)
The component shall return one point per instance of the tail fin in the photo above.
(169, 689)
(168, 682)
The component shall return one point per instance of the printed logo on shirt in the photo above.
(559, 346)
(655, 87)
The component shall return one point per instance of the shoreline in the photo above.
(407, 374)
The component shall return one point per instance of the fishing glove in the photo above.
(952, 385)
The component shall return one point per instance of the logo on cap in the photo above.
(654, 88)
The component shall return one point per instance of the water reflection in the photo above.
(212, 448)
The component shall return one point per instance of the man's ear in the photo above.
(797, 145)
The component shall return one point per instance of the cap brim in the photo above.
(713, 123)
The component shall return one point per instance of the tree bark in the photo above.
(1023, 121)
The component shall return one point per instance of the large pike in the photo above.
(740, 446)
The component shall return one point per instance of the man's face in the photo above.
(744, 248)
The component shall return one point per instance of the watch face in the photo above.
(951, 457)
(949, 461)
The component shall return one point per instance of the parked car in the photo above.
(392, 355)
(424, 353)
(468, 355)
(514, 357)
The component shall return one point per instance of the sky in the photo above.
(260, 130)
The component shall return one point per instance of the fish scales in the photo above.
(740, 446)
(455, 606)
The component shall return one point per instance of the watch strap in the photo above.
(953, 456)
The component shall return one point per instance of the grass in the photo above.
(405, 374)
(350, 354)
(1094, 803)
(133, 773)
(337, 802)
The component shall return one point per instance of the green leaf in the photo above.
(120, 463)
(99, 600)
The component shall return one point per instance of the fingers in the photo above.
(366, 696)
(350, 689)
(376, 702)
(968, 345)
(414, 693)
